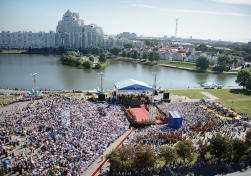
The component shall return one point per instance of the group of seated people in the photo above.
(66, 133)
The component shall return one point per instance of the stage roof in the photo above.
(132, 85)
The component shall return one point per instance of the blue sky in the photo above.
(228, 20)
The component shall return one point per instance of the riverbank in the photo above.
(189, 66)
(29, 52)
(171, 64)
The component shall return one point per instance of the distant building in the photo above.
(70, 33)
(69, 30)
(92, 35)
(249, 43)
(25, 39)
(127, 35)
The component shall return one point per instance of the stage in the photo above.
(140, 112)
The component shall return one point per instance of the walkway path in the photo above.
(210, 96)
(94, 169)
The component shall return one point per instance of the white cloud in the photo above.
(204, 12)
(189, 11)
(242, 2)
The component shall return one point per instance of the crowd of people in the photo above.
(59, 134)
(197, 124)
(66, 135)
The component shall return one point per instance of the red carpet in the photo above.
(141, 113)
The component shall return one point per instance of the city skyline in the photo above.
(226, 20)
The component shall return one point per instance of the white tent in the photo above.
(132, 86)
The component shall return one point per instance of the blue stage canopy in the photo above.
(205, 100)
(132, 85)
(175, 119)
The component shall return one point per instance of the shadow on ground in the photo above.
(240, 91)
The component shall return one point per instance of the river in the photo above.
(16, 70)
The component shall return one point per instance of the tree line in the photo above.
(235, 50)
(127, 158)
(71, 58)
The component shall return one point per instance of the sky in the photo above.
(225, 20)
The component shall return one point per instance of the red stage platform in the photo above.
(141, 113)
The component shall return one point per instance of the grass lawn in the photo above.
(73, 95)
(246, 68)
(103, 65)
(240, 106)
(190, 93)
(12, 51)
(226, 94)
(178, 63)
(241, 98)
(7, 98)
(222, 94)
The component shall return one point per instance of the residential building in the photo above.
(69, 30)
(127, 35)
(92, 35)
(25, 39)
(70, 33)
(236, 61)
(179, 57)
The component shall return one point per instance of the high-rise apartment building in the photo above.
(68, 30)
(25, 39)
(70, 33)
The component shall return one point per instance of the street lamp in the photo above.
(101, 88)
(34, 80)
(154, 86)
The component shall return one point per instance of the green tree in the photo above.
(91, 58)
(95, 50)
(249, 82)
(223, 61)
(156, 56)
(238, 147)
(155, 49)
(46, 50)
(145, 55)
(123, 54)
(201, 47)
(122, 158)
(135, 55)
(97, 66)
(168, 154)
(102, 58)
(71, 53)
(202, 63)
(151, 56)
(129, 45)
(87, 64)
(61, 49)
(84, 50)
(144, 156)
(219, 145)
(185, 149)
(248, 138)
(128, 54)
(203, 149)
(115, 50)
(242, 78)
(78, 62)
(151, 42)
